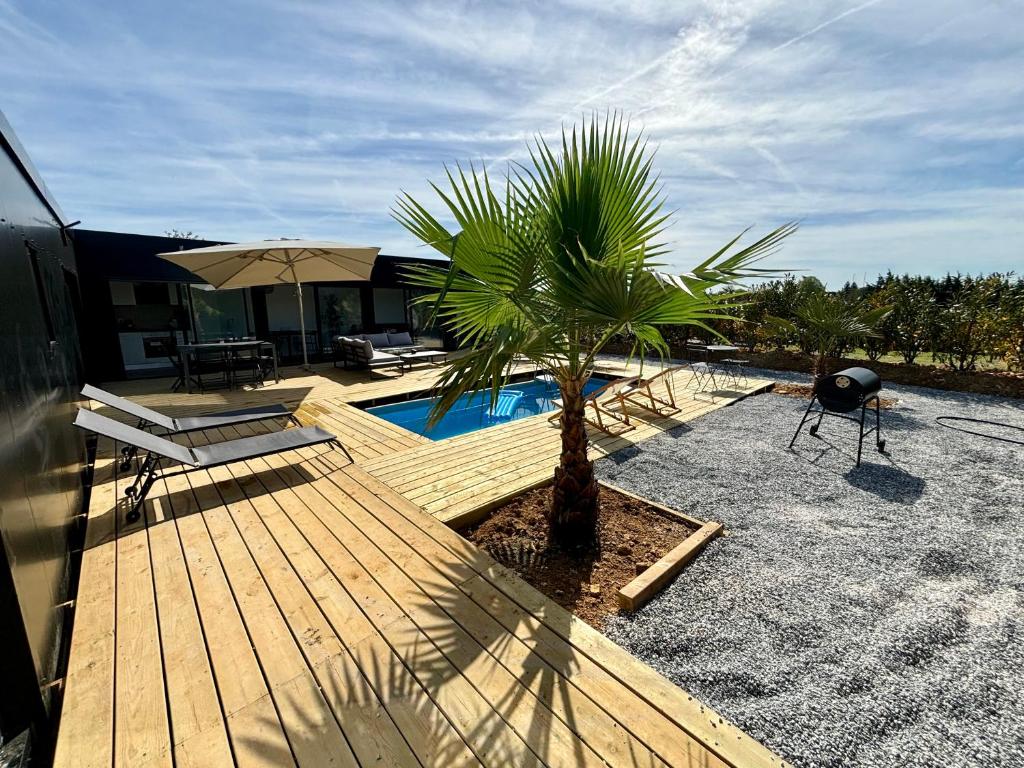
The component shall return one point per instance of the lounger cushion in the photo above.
(377, 339)
(227, 418)
(402, 339)
(129, 435)
(259, 445)
(127, 406)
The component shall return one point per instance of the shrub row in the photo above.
(959, 319)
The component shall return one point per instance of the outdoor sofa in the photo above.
(373, 350)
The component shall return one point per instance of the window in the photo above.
(341, 312)
(141, 307)
(389, 306)
(219, 314)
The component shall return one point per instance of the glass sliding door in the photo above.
(425, 332)
(220, 314)
(341, 312)
(151, 319)
(283, 321)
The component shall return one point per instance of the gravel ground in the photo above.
(852, 617)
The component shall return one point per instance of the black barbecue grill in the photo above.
(840, 395)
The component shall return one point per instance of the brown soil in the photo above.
(632, 536)
(803, 392)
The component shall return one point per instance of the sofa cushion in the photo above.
(358, 348)
(377, 339)
(402, 339)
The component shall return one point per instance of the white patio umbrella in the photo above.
(272, 262)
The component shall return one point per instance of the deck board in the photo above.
(302, 609)
(459, 478)
(87, 733)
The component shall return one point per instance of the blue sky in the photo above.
(893, 129)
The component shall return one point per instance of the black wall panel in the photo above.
(41, 453)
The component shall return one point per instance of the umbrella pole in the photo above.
(302, 326)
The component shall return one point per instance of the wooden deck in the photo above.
(296, 610)
(459, 479)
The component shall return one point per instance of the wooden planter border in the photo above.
(647, 584)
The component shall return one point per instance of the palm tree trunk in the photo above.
(572, 518)
(817, 364)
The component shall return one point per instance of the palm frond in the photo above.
(563, 250)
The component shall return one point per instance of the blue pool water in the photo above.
(470, 411)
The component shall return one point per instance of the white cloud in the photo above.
(892, 129)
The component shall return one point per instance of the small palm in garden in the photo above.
(552, 264)
(825, 323)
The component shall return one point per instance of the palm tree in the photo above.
(825, 322)
(550, 266)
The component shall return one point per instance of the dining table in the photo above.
(231, 348)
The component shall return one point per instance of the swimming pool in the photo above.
(470, 411)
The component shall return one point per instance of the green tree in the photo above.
(552, 264)
(969, 325)
(910, 325)
(826, 323)
(1011, 326)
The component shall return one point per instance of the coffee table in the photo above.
(409, 359)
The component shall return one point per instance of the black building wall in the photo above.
(120, 256)
(41, 453)
(105, 256)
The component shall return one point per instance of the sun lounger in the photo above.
(594, 411)
(148, 418)
(160, 449)
(641, 394)
(508, 401)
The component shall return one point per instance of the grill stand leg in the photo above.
(803, 421)
(877, 429)
(879, 442)
(817, 425)
(138, 490)
(860, 440)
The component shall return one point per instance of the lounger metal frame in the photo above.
(148, 419)
(159, 449)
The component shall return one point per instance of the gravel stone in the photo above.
(865, 616)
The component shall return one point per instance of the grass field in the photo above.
(926, 358)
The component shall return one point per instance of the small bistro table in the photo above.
(722, 348)
(729, 369)
(231, 347)
(409, 359)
